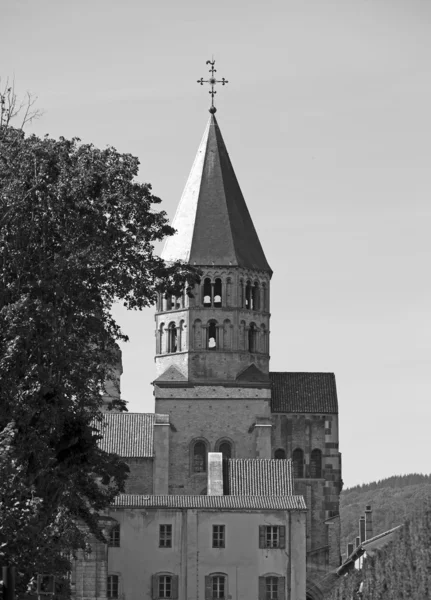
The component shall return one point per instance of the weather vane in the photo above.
(212, 81)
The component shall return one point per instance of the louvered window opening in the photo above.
(165, 586)
(218, 536)
(114, 537)
(112, 586)
(165, 536)
(316, 464)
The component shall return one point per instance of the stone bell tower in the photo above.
(220, 332)
(212, 344)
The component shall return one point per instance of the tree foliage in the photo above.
(393, 500)
(76, 235)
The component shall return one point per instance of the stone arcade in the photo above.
(210, 509)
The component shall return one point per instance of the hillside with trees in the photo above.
(399, 571)
(393, 500)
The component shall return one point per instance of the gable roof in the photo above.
(303, 393)
(129, 435)
(257, 476)
(212, 502)
(212, 221)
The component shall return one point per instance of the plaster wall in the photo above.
(192, 557)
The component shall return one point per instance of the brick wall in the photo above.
(140, 479)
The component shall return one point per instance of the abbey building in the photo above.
(235, 479)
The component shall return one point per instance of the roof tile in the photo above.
(128, 434)
(303, 393)
(212, 502)
(255, 477)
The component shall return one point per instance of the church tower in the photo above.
(212, 354)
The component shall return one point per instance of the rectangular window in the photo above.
(218, 536)
(112, 586)
(165, 586)
(114, 537)
(271, 588)
(218, 586)
(272, 536)
(165, 539)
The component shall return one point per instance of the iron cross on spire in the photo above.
(212, 81)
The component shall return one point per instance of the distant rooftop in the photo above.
(303, 393)
(212, 502)
(129, 435)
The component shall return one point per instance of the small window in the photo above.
(217, 293)
(199, 457)
(114, 537)
(218, 536)
(248, 299)
(165, 586)
(272, 536)
(280, 454)
(172, 338)
(112, 586)
(212, 336)
(165, 536)
(207, 292)
(252, 338)
(218, 586)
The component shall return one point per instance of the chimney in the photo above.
(215, 474)
(357, 541)
(368, 523)
(350, 548)
(362, 529)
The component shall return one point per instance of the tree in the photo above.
(76, 235)
(11, 107)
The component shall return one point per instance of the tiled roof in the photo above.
(212, 502)
(255, 477)
(303, 393)
(128, 434)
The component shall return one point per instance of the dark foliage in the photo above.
(76, 235)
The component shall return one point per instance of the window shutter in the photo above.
(154, 586)
(281, 588)
(282, 534)
(261, 536)
(174, 587)
(208, 589)
(262, 588)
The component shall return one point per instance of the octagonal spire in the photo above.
(212, 221)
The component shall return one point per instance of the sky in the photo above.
(327, 120)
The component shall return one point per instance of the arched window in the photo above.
(229, 291)
(280, 454)
(248, 295)
(217, 293)
(161, 340)
(216, 586)
(112, 586)
(172, 338)
(227, 335)
(114, 537)
(263, 339)
(226, 449)
(298, 463)
(212, 335)
(316, 464)
(181, 337)
(264, 297)
(255, 296)
(207, 292)
(199, 457)
(252, 338)
(241, 293)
